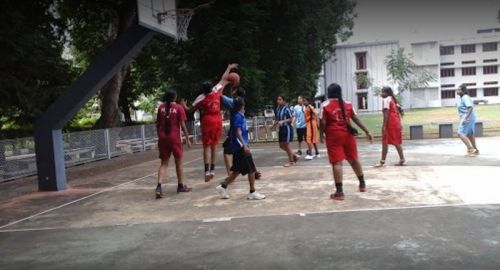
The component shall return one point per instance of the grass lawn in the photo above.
(431, 117)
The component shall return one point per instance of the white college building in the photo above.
(474, 61)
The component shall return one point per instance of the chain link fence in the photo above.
(17, 156)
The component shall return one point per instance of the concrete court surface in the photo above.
(441, 211)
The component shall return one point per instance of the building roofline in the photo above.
(366, 44)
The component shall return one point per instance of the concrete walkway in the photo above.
(441, 211)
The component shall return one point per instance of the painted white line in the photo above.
(208, 220)
(243, 217)
(83, 198)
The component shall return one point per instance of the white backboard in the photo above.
(148, 16)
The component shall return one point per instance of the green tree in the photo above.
(92, 26)
(405, 74)
(32, 71)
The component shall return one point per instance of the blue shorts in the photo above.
(467, 128)
(286, 134)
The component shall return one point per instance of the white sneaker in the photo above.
(317, 156)
(255, 196)
(308, 157)
(223, 193)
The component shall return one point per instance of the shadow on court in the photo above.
(441, 211)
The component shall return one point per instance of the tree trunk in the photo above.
(110, 110)
(110, 113)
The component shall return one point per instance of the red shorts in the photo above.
(211, 132)
(392, 135)
(167, 148)
(340, 146)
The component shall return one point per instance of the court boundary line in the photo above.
(225, 219)
(83, 198)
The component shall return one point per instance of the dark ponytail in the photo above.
(390, 93)
(335, 91)
(169, 97)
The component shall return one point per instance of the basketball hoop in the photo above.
(182, 16)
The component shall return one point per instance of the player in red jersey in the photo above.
(335, 115)
(170, 119)
(391, 128)
(211, 120)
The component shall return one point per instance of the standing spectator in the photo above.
(466, 128)
(300, 122)
(311, 130)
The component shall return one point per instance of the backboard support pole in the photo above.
(48, 129)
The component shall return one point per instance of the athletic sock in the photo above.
(223, 185)
(361, 179)
(159, 185)
(252, 190)
(206, 167)
(316, 149)
(180, 185)
(308, 152)
(338, 187)
(212, 167)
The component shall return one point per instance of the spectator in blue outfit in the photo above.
(300, 122)
(242, 157)
(467, 120)
(283, 119)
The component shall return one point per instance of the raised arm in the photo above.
(223, 80)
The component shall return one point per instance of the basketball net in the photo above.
(182, 16)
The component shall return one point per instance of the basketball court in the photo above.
(440, 211)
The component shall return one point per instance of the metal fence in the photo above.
(17, 156)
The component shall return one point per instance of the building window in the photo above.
(447, 94)
(489, 92)
(470, 84)
(472, 92)
(447, 50)
(468, 62)
(362, 101)
(489, 60)
(489, 47)
(468, 71)
(361, 61)
(469, 48)
(447, 64)
(447, 85)
(490, 69)
(447, 72)
(362, 80)
(490, 83)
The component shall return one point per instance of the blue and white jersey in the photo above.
(283, 112)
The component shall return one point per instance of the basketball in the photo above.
(234, 79)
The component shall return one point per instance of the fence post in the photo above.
(107, 143)
(255, 129)
(143, 137)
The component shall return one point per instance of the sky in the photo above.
(424, 20)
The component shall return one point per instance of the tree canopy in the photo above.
(280, 46)
(33, 72)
